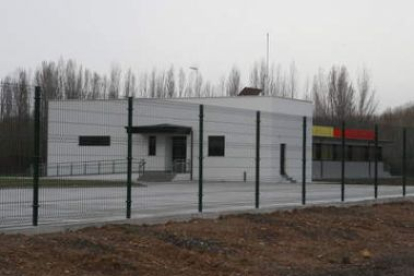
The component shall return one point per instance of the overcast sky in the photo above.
(215, 35)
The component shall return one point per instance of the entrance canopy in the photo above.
(162, 128)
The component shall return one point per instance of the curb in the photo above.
(47, 229)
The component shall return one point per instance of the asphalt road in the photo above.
(80, 205)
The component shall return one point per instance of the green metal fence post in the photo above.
(257, 188)
(129, 158)
(404, 161)
(343, 163)
(36, 158)
(192, 155)
(376, 163)
(304, 161)
(200, 164)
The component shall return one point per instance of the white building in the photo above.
(88, 139)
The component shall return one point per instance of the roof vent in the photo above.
(250, 91)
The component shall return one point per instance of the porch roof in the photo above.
(162, 128)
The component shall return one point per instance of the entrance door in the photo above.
(179, 154)
(283, 159)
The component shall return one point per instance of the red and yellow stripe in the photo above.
(331, 132)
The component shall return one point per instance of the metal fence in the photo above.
(70, 161)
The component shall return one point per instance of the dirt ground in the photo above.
(371, 240)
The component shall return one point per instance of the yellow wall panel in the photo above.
(323, 131)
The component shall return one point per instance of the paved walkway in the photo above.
(74, 205)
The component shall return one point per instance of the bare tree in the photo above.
(87, 84)
(189, 90)
(367, 104)
(258, 76)
(222, 86)
(181, 83)
(6, 98)
(153, 84)
(105, 87)
(272, 85)
(79, 84)
(293, 80)
(399, 116)
(198, 84)
(143, 85)
(207, 90)
(21, 96)
(254, 77)
(47, 77)
(160, 86)
(114, 82)
(234, 82)
(334, 99)
(341, 94)
(320, 98)
(61, 68)
(70, 80)
(130, 84)
(96, 87)
(170, 83)
(307, 93)
(277, 84)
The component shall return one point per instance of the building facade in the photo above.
(88, 139)
(359, 154)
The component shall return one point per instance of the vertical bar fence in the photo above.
(304, 149)
(201, 158)
(129, 158)
(187, 158)
(257, 172)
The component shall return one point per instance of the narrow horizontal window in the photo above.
(216, 146)
(99, 141)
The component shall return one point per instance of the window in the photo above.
(216, 146)
(366, 153)
(99, 141)
(317, 152)
(152, 146)
(327, 152)
(350, 153)
(380, 154)
(359, 153)
(337, 152)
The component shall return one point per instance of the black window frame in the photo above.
(219, 149)
(337, 152)
(349, 153)
(94, 141)
(317, 151)
(152, 145)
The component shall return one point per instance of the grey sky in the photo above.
(215, 35)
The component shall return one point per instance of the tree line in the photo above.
(66, 79)
(336, 96)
